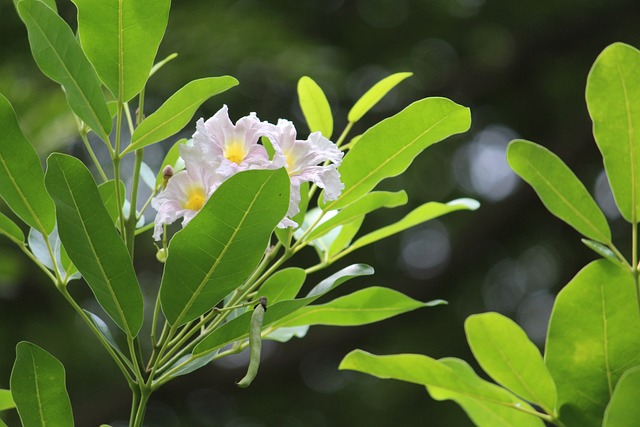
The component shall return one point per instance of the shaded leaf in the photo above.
(315, 107)
(286, 334)
(623, 406)
(38, 388)
(218, 250)
(6, 401)
(602, 250)
(9, 229)
(121, 39)
(374, 95)
(283, 285)
(21, 176)
(59, 56)
(92, 242)
(107, 192)
(592, 339)
(345, 236)
(38, 246)
(176, 111)
(505, 352)
(388, 148)
(558, 188)
(613, 100)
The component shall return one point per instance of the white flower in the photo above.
(230, 148)
(186, 192)
(303, 161)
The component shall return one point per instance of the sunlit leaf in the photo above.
(121, 39)
(344, 237)
(623, 406)
(359, 308)
(388, 148)
(59, 56)
(315, 107)
(6, 401)
(157, 66)
(21, 176)
(9, 229)
(38, 388)
(92, 242)
(592, 339)
(374, 95)
(503, 350)
(447, 380)
(176, 111)
(237, 328)
(283, 285)
(558, 188)
(218, 250)
(481, 412)
(613, 99)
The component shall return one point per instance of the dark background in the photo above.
(521, 67)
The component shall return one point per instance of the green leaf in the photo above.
(59, 56)
(11, 230)
(218, 250)
(38, 388)
(345, 235)
(6, 401)
(21, 176)
(374, 95)
(454, 381)
(121, 40)
(602, 250)
(365, 306)
(315, 107)
(613, 99)
(283, 285)
(92, 242)
(388, 148)
(105, 332)
(176, 111)
(482, 413)
(592, 339)
(170, 159)
(503, 350)
(2, 424)
(421, 214)
(237, 328)
(107, 192)
(623, 406)
(366, 204)
(558, 188)
(38, 246)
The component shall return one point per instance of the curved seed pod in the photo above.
(255, 342)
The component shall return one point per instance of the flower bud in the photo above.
(161, 255)
(167, 173)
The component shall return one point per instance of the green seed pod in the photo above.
(255, 343)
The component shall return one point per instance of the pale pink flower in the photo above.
(230, 148)
(303, 160)
(186, 192)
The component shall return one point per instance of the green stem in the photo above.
(92, 154)
(127, 112)
(116, 159)
(344, 134)
(132, 219)
(141, 407)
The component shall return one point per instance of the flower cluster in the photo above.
(220, 149)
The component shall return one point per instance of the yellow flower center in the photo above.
(235, 152)
(195, 199)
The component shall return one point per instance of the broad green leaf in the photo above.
(21, 176)
(219, 249)
(558, 188)
(367, 305)
(283, 285)
(237, 328)
(449, 379)
(170, 159)
(176, 111)
(503, 350)
(623, 406)
(366, 204)
(121, 39)
(92, 242)
(59, 56)
(2, 424)
(6, 401)
(345, 236)
(481, 412)
(38, 246)
(602, 250)
(613, 99)
(388, 148)
(286, 334)
(592, 339)
(374, 95)
(421, 214)
(9, 229)
(38, 388)
(315, 107)
(108, 195)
